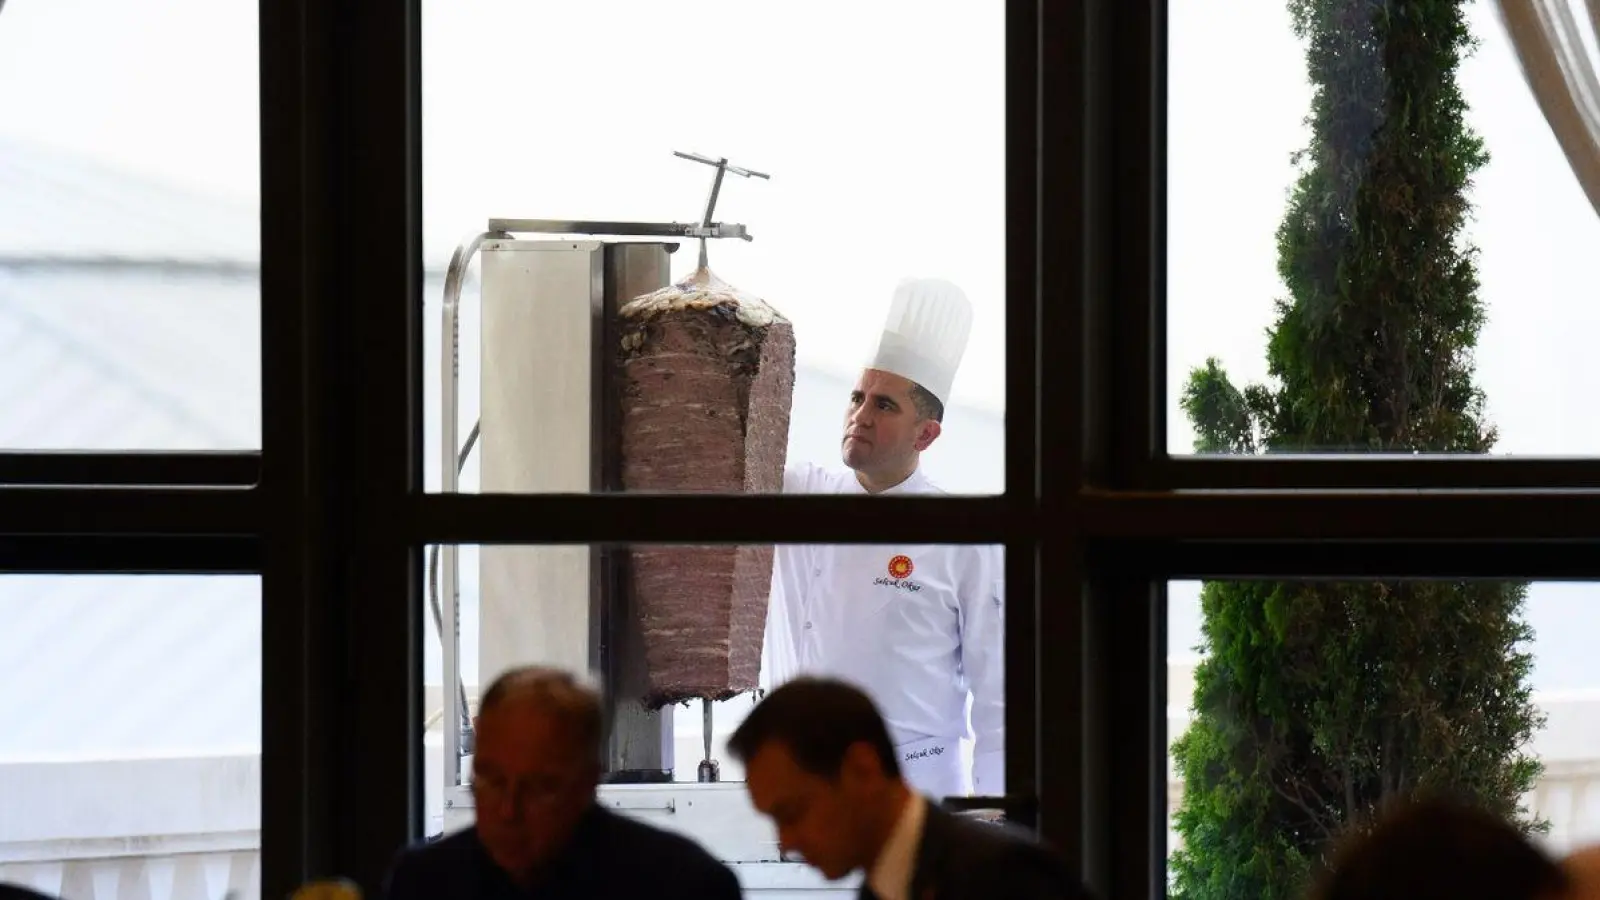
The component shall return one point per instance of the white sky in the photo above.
(882, 125)
(1234, 119)
(895, 144)
(524, 121)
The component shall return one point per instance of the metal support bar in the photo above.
(712, 230)
(451, 458)
(722, 169)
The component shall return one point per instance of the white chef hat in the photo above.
(926, 334)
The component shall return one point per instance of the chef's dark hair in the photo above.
(1437, 846)
(928, 406)
(818, 720)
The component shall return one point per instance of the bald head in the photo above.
(554, 693)
(535, 766)
(1583, 870)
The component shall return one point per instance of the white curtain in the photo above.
(1548, 38)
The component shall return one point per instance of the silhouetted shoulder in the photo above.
(432, 868)
(968, 858)
(659, 864)
(18, 892)
(682, 867)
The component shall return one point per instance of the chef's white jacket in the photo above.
(919, 627)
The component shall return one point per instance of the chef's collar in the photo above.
(915, 483)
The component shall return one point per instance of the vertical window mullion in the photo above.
(372, 358)
(293, 212)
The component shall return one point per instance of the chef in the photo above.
(920, 628)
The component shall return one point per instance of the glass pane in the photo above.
(1489, 690)
(894, 148)
(666, 627)
(130, 758)
(129, 226)
(1416, 280)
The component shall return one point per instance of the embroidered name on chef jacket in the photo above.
(900, 569)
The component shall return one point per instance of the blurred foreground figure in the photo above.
(1439, 848)
(1583, 871)
(538, 830)
(326, 889)
(820, 763)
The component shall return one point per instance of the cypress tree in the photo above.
(1317, 703)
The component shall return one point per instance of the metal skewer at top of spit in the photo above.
(445, 601)
(723, 167)
(704, 229)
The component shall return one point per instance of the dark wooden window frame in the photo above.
(1096, 516)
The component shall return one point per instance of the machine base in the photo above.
(719, 817)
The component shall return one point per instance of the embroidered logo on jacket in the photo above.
(900, 569)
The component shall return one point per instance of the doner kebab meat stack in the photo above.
(706, 376)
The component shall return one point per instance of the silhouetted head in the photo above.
(1583, 874)
(17, 891)
(819, 763)
(1440, 848)
(535, 766)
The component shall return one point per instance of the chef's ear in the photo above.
(927, 432)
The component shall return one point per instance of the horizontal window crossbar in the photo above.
(1383, 515)
(131, 511)
(717, 519)
(134, 468)
(1347, 560)
(75, 555)
(1289, 472)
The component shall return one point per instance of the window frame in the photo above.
(1095, 516)
(313, 513)
(1147, 517)
(129, 468)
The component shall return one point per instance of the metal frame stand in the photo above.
(445, 599)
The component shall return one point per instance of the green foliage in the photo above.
(1318, 702)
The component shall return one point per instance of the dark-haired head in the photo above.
(1440, 847)
(818, 720)
(819, 763)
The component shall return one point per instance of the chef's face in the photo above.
(532, 782)
(884, 433)
(818, 817)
